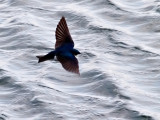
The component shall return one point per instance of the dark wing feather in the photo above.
(69, 64)
(62, 34)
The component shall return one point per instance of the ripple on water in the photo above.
(119, 64)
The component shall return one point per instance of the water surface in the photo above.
(119, 64)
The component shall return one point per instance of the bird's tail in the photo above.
(41, 58)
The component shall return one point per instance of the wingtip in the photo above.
(76, 72)
(63, 17)
(79, 74)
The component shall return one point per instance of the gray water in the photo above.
(119, 65)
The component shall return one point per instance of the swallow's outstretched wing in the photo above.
(69, 63)
(62, 34)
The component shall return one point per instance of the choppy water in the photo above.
(119, 65)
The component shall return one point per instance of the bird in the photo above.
(64, 49)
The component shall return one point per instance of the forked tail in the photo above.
(41, 58)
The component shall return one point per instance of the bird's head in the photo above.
(75, 52)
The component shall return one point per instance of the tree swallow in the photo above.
(64, 49)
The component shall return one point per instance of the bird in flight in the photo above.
(64, 49)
